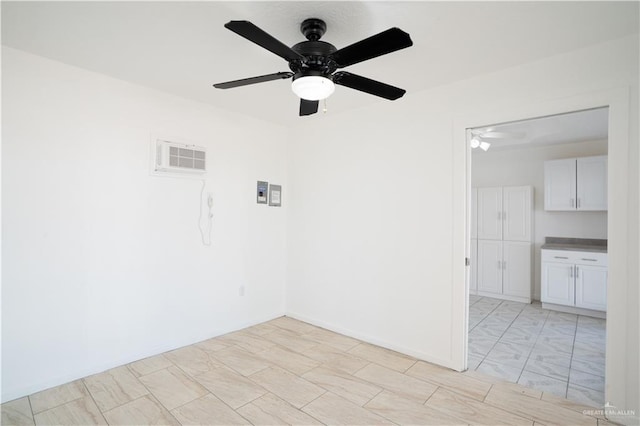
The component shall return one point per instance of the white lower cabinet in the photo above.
(557, 283)
(504, 269)
(574, 279)
(591, 287)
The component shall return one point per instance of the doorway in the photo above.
(514, 332)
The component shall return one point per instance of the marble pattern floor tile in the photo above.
(586, 380)
(588, 364)
(586, 396)
(543, 383)
(546, 350)
(509, 354)
(235, 379)
(550, 370)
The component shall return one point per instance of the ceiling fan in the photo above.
(313, 62)
(478, 137)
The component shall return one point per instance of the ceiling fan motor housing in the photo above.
(313, 28)
(316, 53)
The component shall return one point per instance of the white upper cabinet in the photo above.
(490, 213)
(576, 184)
(516, 216)
(592, 183)
(504, 213)
(560, 184)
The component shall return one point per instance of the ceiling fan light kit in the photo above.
(314, 62)
(312, 87)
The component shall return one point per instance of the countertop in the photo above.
(575, 244)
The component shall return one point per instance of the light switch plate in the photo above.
(275, 195)
(261, 194)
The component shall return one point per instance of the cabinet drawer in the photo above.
(574, 257)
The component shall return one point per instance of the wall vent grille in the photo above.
(175, 157)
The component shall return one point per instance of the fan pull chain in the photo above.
(324, 106)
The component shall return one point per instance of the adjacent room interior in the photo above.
(538, 275)
(198, 254)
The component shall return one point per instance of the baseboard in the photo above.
(11, 394)
(448, 363)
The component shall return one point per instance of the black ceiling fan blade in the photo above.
(252, 33)
(308, 107)
(367, 85)
(380, 44)
(253, 80)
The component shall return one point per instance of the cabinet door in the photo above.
(592, 183)
(473, 284)
(516, 269)
(516, 216)
(490, 213)
(474, 213)
(557, 283)
(591, 287)
(560, 184)
(490, 266)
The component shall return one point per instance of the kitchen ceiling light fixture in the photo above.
(313, 87)
(476, 142)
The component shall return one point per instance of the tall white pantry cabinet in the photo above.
(501, 242)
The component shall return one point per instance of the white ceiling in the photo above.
(579, 126)
(182, 47)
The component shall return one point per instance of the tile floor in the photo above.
(289, 372)
(558, 353)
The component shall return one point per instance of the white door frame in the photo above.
(618, 241)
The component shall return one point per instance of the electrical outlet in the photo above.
(241, 290)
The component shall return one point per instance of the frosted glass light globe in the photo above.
(313, 87)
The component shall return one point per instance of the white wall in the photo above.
(103, 263)
(371, 230)
(525, 166)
